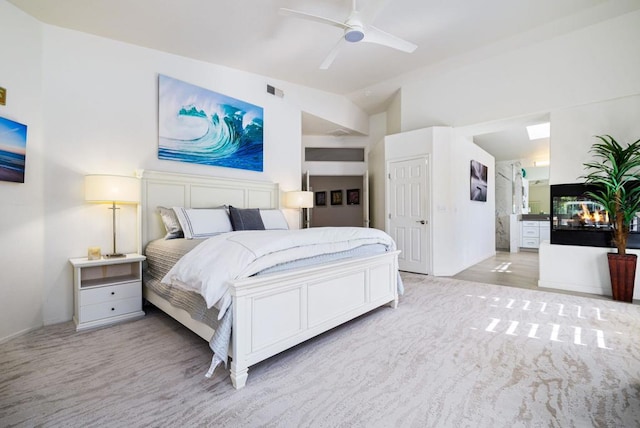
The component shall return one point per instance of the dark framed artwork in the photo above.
(321, 198)
(336, 197)
(478, 181)
(353, 196)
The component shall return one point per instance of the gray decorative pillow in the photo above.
(245, 218)
(171, 223)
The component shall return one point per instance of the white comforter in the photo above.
(207, 268)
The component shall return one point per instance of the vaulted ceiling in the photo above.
(253, 35)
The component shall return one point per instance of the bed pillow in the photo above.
(171, 223)
(200, 223)
(274, 219)
(245, 218)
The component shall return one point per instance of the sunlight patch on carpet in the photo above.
(585, 325)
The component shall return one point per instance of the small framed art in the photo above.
(336, 197)
(321, 198)
(353, 196)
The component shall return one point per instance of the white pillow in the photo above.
(203, 222)
(273, 219)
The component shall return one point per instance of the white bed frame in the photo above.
(271, 313)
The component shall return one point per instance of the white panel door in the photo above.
(408, 215)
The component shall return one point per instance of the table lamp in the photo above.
(113, 189)
(299, 199)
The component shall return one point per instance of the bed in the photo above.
(269, 312)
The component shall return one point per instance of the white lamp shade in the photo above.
(299, 199)
(111, 188)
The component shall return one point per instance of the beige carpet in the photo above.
(454, 354)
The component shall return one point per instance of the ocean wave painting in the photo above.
(201, 126)
(13, 150)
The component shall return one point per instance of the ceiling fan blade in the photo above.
(332, 55)
(311, 17)
(377, 36)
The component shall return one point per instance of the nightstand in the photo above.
(107, 291)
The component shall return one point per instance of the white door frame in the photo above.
(366, 213)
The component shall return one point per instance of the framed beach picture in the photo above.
(336, 197)
(201, 126)
(478, 181)
(321, 198)
(13, 150)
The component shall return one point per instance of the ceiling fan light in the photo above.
(353, 35)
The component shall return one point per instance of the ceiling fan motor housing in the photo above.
(353, 34)
(355, 30)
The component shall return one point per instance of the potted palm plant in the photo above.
(614, 176)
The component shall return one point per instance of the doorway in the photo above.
(521, 173)
(339, 200)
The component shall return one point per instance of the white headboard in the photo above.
(197, 191)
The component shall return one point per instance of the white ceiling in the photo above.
(253, 36)
(514, 144)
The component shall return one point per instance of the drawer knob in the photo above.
(113, 309)
(113, 293)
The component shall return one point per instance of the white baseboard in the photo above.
(19, 333)
(580, 288)
(56, 321)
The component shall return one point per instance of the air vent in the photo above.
(275, 91)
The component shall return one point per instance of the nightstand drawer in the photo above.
(110, 309)
(110, 293)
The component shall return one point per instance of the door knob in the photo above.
(421, 221)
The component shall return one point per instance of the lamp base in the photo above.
(114, 255)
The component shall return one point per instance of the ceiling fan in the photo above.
(356, 29)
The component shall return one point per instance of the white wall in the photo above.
(573, 130)
(572, 134)
(21, 205)
(338, 110)
(101, 117)
(462, 230)
(98, 102)
(394, 114)
(376, 165)
(595, 63)
(469, 234)
(586, 79)
(581, 269)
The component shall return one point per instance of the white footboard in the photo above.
(274, 312)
